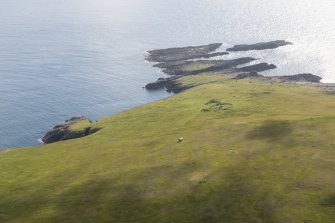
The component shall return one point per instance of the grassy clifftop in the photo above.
(253, 152)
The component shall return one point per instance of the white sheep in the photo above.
(180, 140)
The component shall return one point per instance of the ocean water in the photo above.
(61, 58)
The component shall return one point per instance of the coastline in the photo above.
(246, 143)
(189, 61)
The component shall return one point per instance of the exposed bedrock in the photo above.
(260, 46)
(183, 53)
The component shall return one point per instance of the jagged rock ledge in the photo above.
(260, 46)
(76, 127)
(184, 53)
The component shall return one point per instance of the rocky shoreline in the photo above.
(185, 61)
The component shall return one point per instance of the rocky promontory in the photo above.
(185, 61)
(76, 127)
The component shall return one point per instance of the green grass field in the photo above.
(257, 153)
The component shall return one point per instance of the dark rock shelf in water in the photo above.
(260, 46)
(184, 53)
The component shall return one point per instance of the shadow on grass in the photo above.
(271, 130)
(158, 194)
(329, 202)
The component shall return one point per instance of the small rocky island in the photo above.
(76, 127)
(191, 60)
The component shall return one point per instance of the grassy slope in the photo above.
(268, 159)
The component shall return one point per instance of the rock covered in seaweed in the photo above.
(69, 130)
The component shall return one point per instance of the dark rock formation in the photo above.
(301, 78)
(172, 85)
(183, 53)
(247, 75)
(200, 66)
(160, 83)
(63, 132)
(179, 62)
(257, 67)
(260, 46)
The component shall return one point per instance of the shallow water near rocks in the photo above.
(64, 58)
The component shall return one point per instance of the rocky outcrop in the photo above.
(260, 46)
(171, 84)
(301, 78)
(247, 75)
(257, 67)
(179, 62)
(63, 131)
(160, 83)
(183, 53)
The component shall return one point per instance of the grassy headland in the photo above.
(253, 152)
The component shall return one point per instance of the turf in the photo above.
(269, 158)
